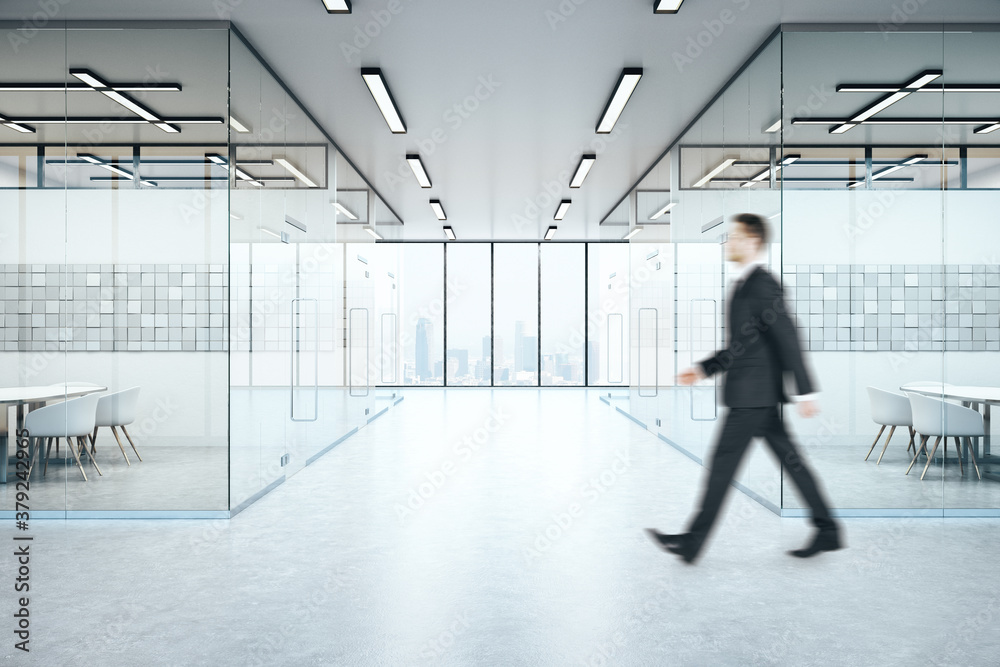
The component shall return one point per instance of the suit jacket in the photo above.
(763, 345)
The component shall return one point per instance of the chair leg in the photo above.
(83, 443)
(872, 448)
(76, 455)
(891, 431)
(971, 448)
(48, 450)
(912, 445)
(930, 457)
(130, 441)
(922, 447)
(93, 440)
(120, 446)
(958, 450)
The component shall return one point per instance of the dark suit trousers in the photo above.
(742, 425)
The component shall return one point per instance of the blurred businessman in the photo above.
(762, 346)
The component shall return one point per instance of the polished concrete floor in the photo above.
(503, 527)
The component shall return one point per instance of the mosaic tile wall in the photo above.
(889, 307)
(114, 307)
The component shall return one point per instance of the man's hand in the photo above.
(808, 409)
(691, 375)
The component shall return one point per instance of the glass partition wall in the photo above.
(171, 227)
(879, 180)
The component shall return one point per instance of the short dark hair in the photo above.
(754, 225)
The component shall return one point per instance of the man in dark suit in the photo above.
(762, 346)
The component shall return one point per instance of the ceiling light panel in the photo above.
(666, 6)
(438, 209)
(550, 233)
(587, 161)
(563, 208)
(449, 232)
(383, 98)
(295, 172)
(342, 210)
(627, 82)
(337, 6)
(417, 167)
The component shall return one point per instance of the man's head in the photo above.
(747, 235)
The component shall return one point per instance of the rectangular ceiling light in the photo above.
(774, 127)
(631, 233)
(271, 232)
(343, 211)
(627, 82)
(438, 209)
(93, 159)
(550, 233)
(667, 6)
(896, 167)
(663, 211)
(295, 172)
(985, 129)
(20, 127)
(237, 125)
(587, 161)
(917, 83)
(383, 98)
(715, 172)
(449, 232)
(337, 6)
(561, 211)
(373, 233)
(101, 86)
(419, 172)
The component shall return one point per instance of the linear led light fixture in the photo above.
(773, 127)
(283, 236)
(715, 172)
(242, 175)
(449, 232)
(561, 211)
(631, 233)
(337, 6)
(417, 167)
(295, 172)
(93, 159)
(896, 167)
(587, 161)
(787, 160)
(985, 129)
(627, 82)
(237, 125)
(342, 210)
(663, 211)
(373, 233)
(438, 209)
(20, 127)
(101, 86)
(550, 233)
(383, 98)
(77, 87)
(917, 83)
(667, 6)
(939, 88)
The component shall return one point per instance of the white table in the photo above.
(34, 397)
(970, 396)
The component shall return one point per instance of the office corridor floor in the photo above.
(502, 527)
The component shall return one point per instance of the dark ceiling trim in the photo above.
(319, 126)
(704, 109)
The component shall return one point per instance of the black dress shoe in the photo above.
(685, 550)
(663, 540)
(827, 540)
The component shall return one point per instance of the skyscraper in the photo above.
(422, 367)
(518, 346)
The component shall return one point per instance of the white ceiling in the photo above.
(553, 64)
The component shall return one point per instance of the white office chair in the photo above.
(932, 416)
(113, 410)
(70, 419)
(889, 409)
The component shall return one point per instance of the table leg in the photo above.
(986, 429)
(3, 443)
